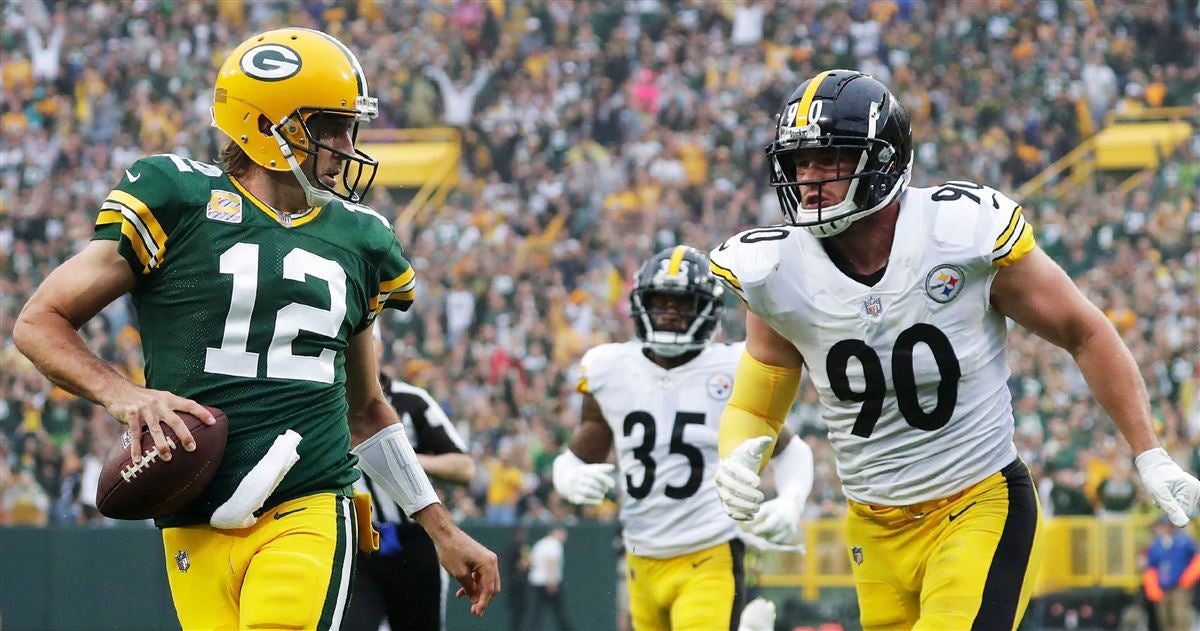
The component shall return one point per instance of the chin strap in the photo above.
(313, 195)
(839, 225)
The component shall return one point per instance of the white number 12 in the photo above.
(232, 358)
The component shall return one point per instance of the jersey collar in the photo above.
(284, 219)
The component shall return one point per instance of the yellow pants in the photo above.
(964, 562)
(290, 570)
(700, 591)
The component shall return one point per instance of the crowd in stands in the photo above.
(596, 133)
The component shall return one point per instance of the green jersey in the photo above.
(251, 312)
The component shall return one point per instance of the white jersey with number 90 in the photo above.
(910, 372)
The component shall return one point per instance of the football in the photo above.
(154, 487)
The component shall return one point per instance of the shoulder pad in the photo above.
(597, 364)
(728, 354)
(154, 196)
(747, 258)
(192, 179)
(367, 211)
(1006, 236)
(372, 230)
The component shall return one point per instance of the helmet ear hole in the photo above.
(264, 125)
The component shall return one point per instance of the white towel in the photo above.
(254, 489)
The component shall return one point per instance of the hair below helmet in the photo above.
(275, 86)
(678, 271)
(852, 115)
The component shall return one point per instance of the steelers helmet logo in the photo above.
(270, 62)
(944, 283)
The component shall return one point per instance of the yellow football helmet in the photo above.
(270, 87)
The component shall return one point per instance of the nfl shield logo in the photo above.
(856, 551)
(873, 306)
(182, 562)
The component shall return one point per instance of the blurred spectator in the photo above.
(1066, 496)
(545, 576)
(595, 134)
(506, 481)
(516, 577)
(1117, 492)
(25, 502)
(458, 97)
(1172, 569)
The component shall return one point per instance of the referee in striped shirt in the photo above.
(403, 582)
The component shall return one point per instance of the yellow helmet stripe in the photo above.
(676, 260)
(806, 101)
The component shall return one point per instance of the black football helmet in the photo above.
(678, 271)
(846, 111)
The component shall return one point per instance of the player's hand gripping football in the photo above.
(737, 479)
(140, 408)
(1173, 489)
(585, 484)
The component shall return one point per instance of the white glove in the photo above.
(737, 479)
(579, 482)
(758, 615)
(1173, 490)
(777, 521)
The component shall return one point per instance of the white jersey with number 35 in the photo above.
(911, 372)
(664, 425)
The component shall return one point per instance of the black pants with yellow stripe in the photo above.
(967, 561)
(290, 570)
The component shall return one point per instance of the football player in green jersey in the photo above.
(256, 285)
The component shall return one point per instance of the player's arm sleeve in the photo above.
(397, 283)
(140, 215)
(762, 396)
(1012, 235)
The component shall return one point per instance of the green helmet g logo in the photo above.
(270, 62)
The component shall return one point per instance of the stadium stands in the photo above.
(597, 135)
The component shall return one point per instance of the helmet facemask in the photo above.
(696, 296)
(301, 133)
(700, 319)
(873, 136)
